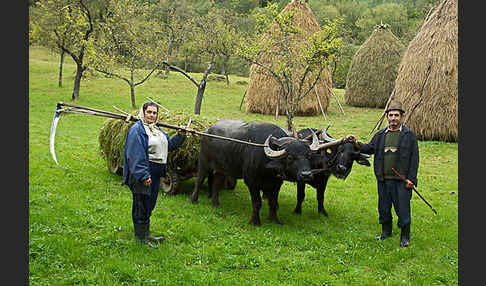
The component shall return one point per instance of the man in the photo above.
(394, 147)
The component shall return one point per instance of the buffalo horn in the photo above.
(326, 136)
(315, 142)
(332, 143)
(273, 154)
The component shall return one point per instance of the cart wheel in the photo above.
(115, 168)
(170, 184)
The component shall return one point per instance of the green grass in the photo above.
(80, 226)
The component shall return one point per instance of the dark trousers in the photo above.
(142, 204)
(394, 192)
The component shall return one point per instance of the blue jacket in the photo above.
(136, 157)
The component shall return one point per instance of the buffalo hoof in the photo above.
(193, 200)
(298, 211)
(255, 222)
(274, 220)
(324, 213)
(216, 204)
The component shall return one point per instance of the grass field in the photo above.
(80, 228)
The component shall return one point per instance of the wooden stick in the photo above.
(320, 105)
(342, 110)
(243, 98)
(158, 104)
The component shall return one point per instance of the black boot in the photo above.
(386, 230)
(405, 236)
(157, 239)
(141, 234)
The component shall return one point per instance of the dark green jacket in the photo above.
(408, 153)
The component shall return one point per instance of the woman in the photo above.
(144, 162)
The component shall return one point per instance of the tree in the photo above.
(297, 62)
(393, 14)
(130, 39)
(210, 36)
(72, 26)
(173, 17)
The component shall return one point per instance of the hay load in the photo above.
(374, 68)
(427, 81)
(262, 94)
(183, 160)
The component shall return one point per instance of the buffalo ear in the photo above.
(363, 162)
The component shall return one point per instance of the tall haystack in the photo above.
(427, 81)
(262, 94)
(374, 68)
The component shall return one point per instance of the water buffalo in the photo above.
(336, 160)
(261, 168)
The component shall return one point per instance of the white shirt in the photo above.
(158, 147)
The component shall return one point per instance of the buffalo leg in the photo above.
(256, 202)
(320, 189)
(217, 184)
(300, 197)
(273, 207)
(201, 175)
(210, 183)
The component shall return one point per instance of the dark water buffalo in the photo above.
(336, 160)
(261, 168)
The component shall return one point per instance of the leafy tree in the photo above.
(71, 26)
(174, 17)
(296, 62)
(210, 36)
(390, 13)
(130, 39)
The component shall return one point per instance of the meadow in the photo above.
(80, 228)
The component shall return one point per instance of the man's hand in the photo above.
(350, 138)
(408, 184)
(147, 182)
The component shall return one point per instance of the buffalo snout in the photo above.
(305, 176)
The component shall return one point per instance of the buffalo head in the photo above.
(290, 157)
(335, 155)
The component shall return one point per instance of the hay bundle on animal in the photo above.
(427, 81)
(374, 68)
(263, 89)
(182, 160)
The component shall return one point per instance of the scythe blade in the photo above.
(57, 116)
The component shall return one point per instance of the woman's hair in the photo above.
(147, 104)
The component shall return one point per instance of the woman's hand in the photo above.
(181, 130)
(147, 182)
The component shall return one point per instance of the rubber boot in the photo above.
(157, 239)
(141, 234)
(386, 230)
(405, 236)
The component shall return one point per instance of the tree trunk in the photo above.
(199, 96)
(202, 87)
(60, 68)
(77, 81)
(225, 69)
(169, 53)
(132, 86)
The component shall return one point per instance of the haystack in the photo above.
(427, 81)
(113, 134)
(374, 68)
(262, 94)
